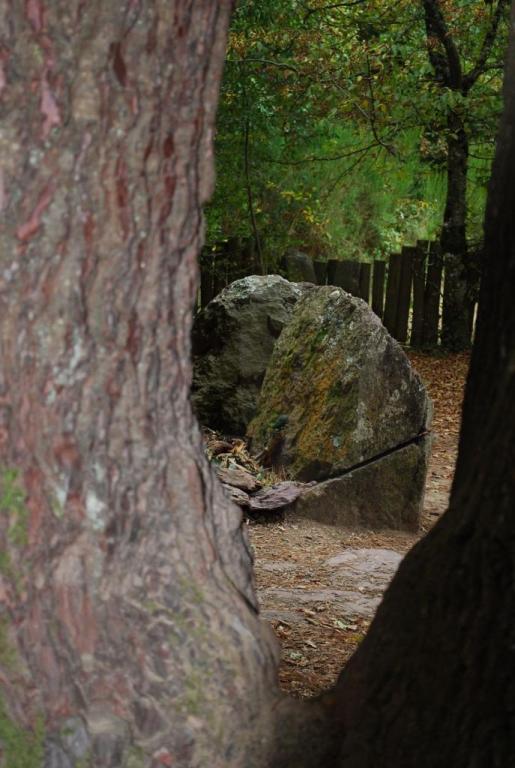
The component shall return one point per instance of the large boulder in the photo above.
(338, 391)
(233, 339)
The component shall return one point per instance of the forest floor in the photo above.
(319, 586)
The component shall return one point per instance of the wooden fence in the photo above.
(224, 263)
(404, 290)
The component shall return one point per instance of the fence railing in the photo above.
(404, 290)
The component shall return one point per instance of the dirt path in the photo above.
(319, 586)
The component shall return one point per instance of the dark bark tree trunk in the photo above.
(129, 633)
(456, 304)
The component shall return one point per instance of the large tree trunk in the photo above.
(128, 629)
(456, 303)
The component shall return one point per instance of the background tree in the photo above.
(457, 72)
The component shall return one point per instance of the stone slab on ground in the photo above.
(236, 495)
(359, 576)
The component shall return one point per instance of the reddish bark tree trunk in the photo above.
(129, 627)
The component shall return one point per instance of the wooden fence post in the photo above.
(342, 275)
(206, 276)
(347, 276)
(320, 272)
(419, 274)
(219, 268)
(392, 292)
(364, 281)
(331, 271)
(236, 268)
(432, 296)
(378, 287)
(404, 300)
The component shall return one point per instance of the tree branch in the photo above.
(447, 69)
(349, 4)
(328, 158)
(267, 62)
(372, 116)
(486, 49)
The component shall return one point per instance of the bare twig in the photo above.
(266, 62)
(250, 196)
(310, 11)
(248, 183)
(327, 158)
(372, 118)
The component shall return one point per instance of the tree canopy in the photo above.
(335, 118)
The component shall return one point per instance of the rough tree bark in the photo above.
(129, 633)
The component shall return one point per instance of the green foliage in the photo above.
(347, 125)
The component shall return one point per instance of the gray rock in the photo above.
(299, 267)
(387, 493)
(338, 390)
(233, 338)
(75, 738)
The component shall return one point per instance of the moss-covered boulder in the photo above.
(338, 391)
(233, 339)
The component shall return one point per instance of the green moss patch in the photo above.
(12, 503)
(21, 748)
